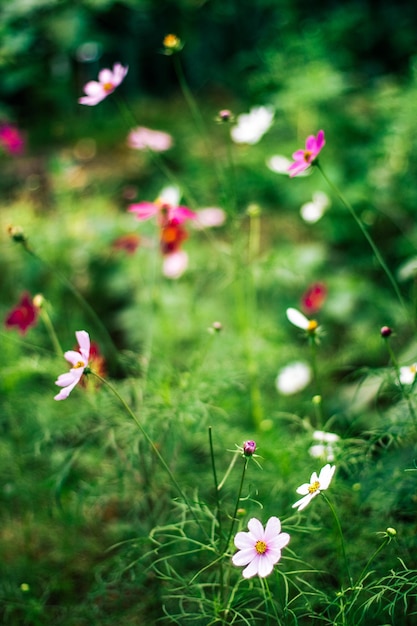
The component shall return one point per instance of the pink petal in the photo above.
(243, 557)
(181, 214)
(252, 568)
(256, 528)
(83, 339)
(244, 540)
(279, 542)
(311, 143)
(66, 379)
(272, 529)
(93, 88)
(265, 566)
(320, 141)
(105, 76)
(175, 264)
(143, 210)
(73, 357)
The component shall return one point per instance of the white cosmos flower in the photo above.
(293, 377)
(315, 486)
(312, 211)
(300, 320)
(408, 374)
(252, 126)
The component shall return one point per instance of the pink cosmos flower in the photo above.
(79, 361)
(107, 82)
(312, 489)
(24, 315)
(141, 138)
(165, 207)
(304, 158)
(260, 549)
(11, 139)
(175, 264)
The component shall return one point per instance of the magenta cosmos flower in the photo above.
(79, 361)
(312, 489)
(107, 82)
(260, 549)
(304, 158)
(165, 207)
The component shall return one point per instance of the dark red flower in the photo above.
(172, 234)
(313, 299)
(24, 315)
(129, 243)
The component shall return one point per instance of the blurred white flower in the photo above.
(279, 164)
(170, 195)
(326, 447)
(408, 374)
(312, 211)
(293, 377)
(252, 126)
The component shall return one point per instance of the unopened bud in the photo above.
(249, 447)
(386, 331)
(17, 234)
(391, 532)
(38, 300)
(225, 115)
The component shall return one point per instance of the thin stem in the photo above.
(404, 391)
(365, 233)
(51, 330)
(154, 449)
(229, 469)
(371, 559)
(218, 515)
(342, 541)
(245, 465)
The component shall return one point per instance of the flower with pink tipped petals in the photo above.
(304, 158)
(260, 549)
(108, 80)
(79, 362)
(24, 315)
(315, 486)
(142, 138)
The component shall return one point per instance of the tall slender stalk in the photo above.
(342, 541)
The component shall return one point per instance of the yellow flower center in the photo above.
(413, 369)
(307, 156)
(312, 325)
(171, 41)
(108, 87)
(314, 487)
(260, 547)
(79, 364)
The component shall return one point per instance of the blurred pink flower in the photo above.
(209, 217)
(11, 139)
(141, 138)
(175, 264)
(260, 549)
(107, 82)
(24, 315)
(165, 208)
(313, 299)
(304, 158)
(79, 361)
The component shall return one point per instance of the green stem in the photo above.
(245, 465)
(218, 515)
(405, 393)
(371, 559)
(154, 449)
(51, 331)
(342, 541)
(365, 233)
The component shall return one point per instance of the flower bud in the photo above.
(225, 115)
(386, 331)
(391, 532)
(172, 44)
(249, 447)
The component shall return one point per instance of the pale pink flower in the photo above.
(79, 361)
(107, 82)
(142, 138)
(175, 264)
(304, 158)
(260, 549)
(209, 217)
(315, 486)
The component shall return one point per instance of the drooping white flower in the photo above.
(260, 549)
(293, 377)
(79, 361)
(252, 126)
(408, 374)
(315, 486)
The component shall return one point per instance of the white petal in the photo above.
(297, 318)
